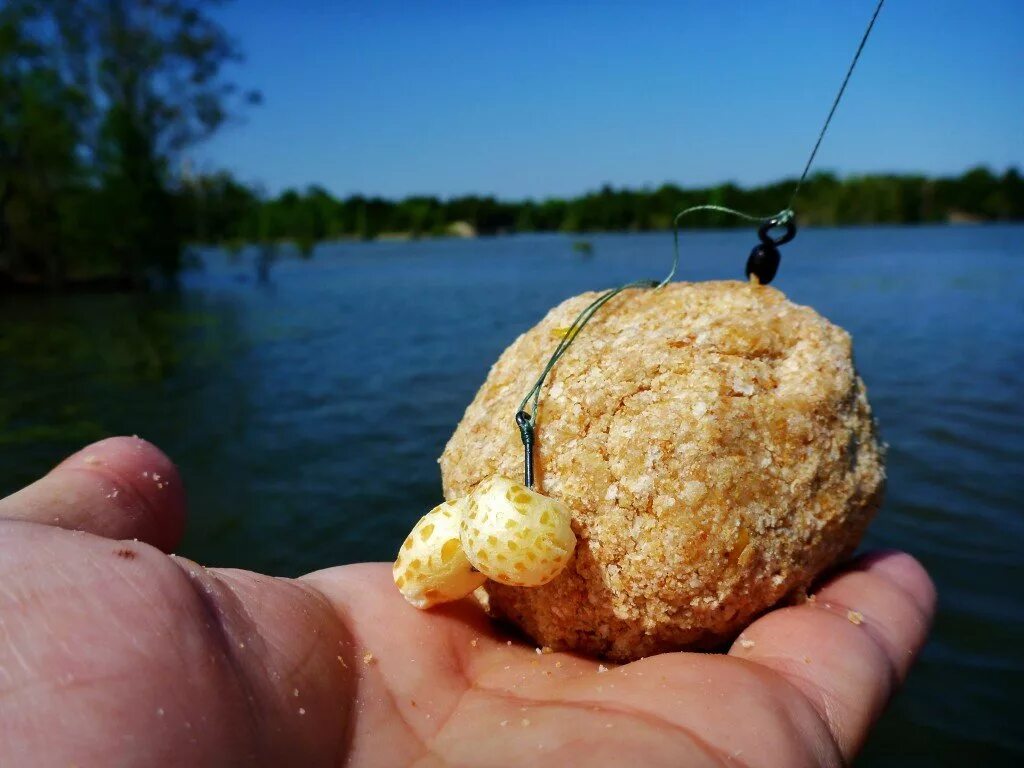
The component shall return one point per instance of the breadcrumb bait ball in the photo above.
(432, 567)
(714, 446)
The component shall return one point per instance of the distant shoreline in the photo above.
(103, 283)
(402, 237)
(219, 208)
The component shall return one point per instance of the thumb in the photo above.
(118, 488)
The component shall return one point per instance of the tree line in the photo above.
(102, 101)
(220, 210)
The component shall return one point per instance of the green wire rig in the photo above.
(526, 416)
(526, 420)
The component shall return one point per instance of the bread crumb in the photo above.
(302, 711)
(601, 668)
(503, 723)
(558, 664)
(546, 649)
(295, 692)
(745, 643)
(342, 662)
(855, 617)
(525, 722)
(368, 658)
(91, 460)
(474, 642)
(812, 598)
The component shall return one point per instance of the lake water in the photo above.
(307, 413)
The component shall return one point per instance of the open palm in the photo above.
(148, 659)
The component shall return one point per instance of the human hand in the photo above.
(113, 653)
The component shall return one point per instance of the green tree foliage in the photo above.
(101, 98)
(230, 211)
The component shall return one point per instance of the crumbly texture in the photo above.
(714, 445)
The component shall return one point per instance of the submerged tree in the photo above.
(105, 96)
(39, 141)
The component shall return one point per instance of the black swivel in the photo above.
(763, 262)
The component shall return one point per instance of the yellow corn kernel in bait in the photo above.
(515, 535)
(431, 567)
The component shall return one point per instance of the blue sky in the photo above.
(531, 99)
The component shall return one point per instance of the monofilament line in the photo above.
(835, 102)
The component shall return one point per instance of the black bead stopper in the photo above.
(763, 262)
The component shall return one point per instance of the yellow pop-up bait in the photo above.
(432, 567)
(503, 531)
(515, 535)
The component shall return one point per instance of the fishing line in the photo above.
(761, 267)
(835, 102)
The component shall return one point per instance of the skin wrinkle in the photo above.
(584, 705)
(309, 653)
(143, 599)
(824, 700)
(344, 650)
(458, 668)
(821, 702)
(430, 760)
(222, 637)
(342, 611)
(708, 748)
(568, 749)
(79, 682)
(312, 651)
(893, 679)
(399, 711)
(147, 558)
(13, 647)
(72, 587)
(309, 657)
(841, 610)
(797, 694)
